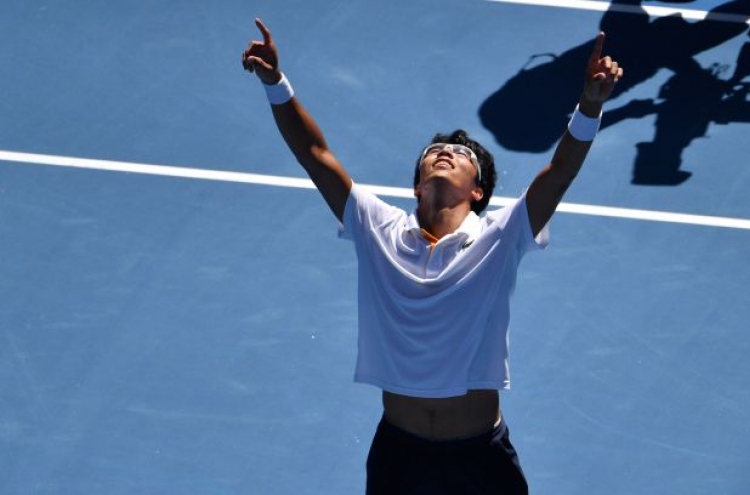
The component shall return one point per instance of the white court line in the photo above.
(652, 10)
(399, 192)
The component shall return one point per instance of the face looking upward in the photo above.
(459, 150)
(455, 164)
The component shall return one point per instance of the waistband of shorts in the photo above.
(410, 440)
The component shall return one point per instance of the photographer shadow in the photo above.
(684, 107)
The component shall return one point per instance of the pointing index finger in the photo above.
(264, 31)
(596, 54)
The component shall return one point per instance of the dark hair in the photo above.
(486, 163)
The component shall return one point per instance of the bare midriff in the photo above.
(447, 418)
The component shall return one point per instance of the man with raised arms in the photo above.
(435, 285)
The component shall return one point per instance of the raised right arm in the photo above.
(298, 128)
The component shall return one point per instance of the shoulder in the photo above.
(512, 221)
(362, 199)
(366, 210)
(510, 211)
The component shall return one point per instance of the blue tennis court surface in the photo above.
(173, 335)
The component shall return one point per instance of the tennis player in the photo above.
(435, 285)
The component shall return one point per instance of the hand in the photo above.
(262, 57)
(601, 75)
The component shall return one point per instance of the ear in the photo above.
(417, 192)
(477, 193)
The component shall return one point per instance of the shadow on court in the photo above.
(685, 105)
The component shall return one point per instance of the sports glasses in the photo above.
(456, 149)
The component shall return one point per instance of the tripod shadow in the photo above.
(686, 104)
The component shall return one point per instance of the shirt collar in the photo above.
(467, 230)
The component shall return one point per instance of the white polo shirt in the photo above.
(433, 321)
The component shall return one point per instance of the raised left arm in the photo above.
(549, 186)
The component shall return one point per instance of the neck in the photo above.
(441, 220)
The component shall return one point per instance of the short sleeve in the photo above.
(514, 222)
(363, 211)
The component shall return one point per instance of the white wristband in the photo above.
(583, 128)
(279, 93)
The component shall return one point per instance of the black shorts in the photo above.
(401, 463)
